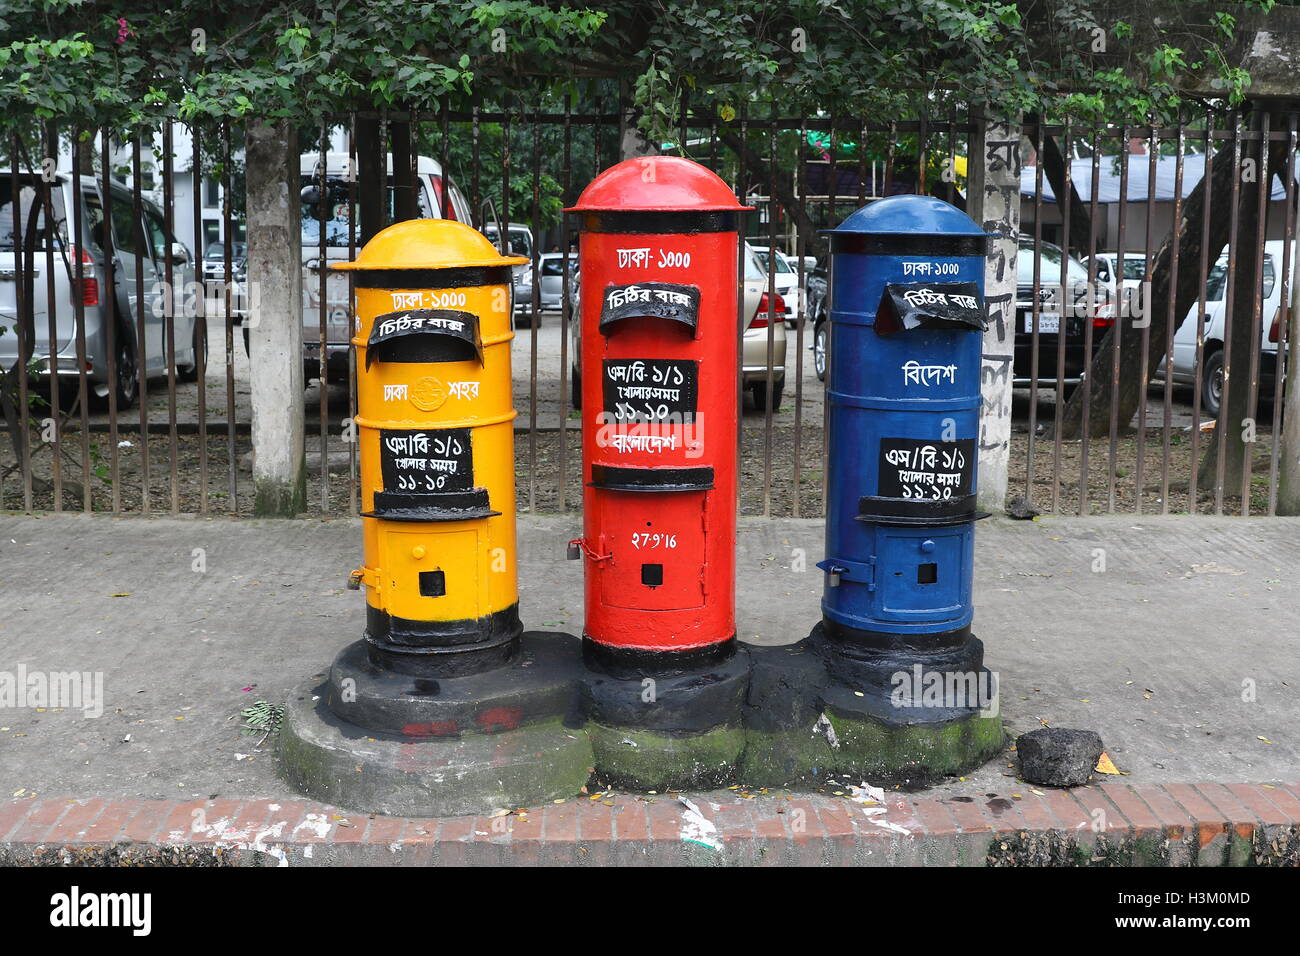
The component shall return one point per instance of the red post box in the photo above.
(658, 265)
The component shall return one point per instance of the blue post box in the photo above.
(907, 315)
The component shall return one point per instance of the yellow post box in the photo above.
(435, 425)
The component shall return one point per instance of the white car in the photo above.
(437, 199)
(1212, 355)
(786, 277)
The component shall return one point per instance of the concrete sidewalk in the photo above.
(1181, 652)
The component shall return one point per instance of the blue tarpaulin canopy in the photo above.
(1138, 168)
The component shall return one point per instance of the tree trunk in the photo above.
(1243, 333)
(1133, 377)
(405, 204)
(275, 332)
(1054, 172)
(371, 177)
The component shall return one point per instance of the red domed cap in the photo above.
(657, 184)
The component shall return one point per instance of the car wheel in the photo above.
(126, 382)
(191, 372)
(575, 387)
(820, 336)
(759, 391)
(1212, 384)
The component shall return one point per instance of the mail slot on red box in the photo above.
(658, 258)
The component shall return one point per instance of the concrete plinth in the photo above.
(372, 740)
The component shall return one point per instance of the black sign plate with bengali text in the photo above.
(426, 461)
(650, 390)
(664, 300)
(924, 469)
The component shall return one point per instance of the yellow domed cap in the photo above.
(429, 244)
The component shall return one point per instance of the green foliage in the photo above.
(98, 62)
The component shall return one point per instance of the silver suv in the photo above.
(140, 246)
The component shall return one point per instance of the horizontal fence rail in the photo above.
(126, 304)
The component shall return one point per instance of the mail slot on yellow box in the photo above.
(435, 427)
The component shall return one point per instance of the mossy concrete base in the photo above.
(654, 760)
(367, 771)
(910, 755)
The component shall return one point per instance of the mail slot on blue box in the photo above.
(907, 313)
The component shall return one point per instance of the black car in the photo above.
(1071, 307)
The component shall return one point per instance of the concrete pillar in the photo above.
(275, 321)
(993, 197)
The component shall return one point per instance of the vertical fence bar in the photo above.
(22, 306)
(141, 243)
(51, 151)
(922, 153)
(1229, 297)
(169, 317)
(1117, 324)
(1283, 315)
(769, 382)
(350, 433)
(1265, 180)
(801, 250)
(1035, 311)
(535, 310)
(475, 189)
(1153, 150)
(566, 309)
(111, 323)
(1066, 204)
(227, 233)
(831, 183)
(1085, 435)
(322, 263)
(78, 265)
(1170, 319)
(1192, 489)
(741, 190)
(201, 317)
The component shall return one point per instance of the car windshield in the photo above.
(552, 266)
(521, 243)
(1215, 285)
(336, 210)
(31, 209)
(217, 250)
(1050, 268)
(782, 263)
(754, 268)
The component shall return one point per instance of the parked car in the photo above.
(1215, 331)
(785, 277)
(140, 247)
(214, 261)
(1070, 307)
(550, 276)
(333, 210)
(1135, 266)
(521, 244)
(759, 317)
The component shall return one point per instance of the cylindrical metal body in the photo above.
(907, 312)
(658, 264)
(435, 430)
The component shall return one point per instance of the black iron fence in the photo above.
(124, 299)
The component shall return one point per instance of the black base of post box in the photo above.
(443, 648)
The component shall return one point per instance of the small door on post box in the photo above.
(656, 543)
(922, 573)
(420, 579)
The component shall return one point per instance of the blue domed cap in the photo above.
(909, 215)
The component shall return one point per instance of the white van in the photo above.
(438, 199)
(1212, 354)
